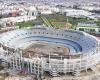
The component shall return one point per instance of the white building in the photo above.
(19, 18)
(76, 13)
(27, 13)
(88, 27)
(90, 8)
(31, 11)
(44, 9)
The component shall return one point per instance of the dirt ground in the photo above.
(37, 49)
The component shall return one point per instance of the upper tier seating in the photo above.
(76, 41)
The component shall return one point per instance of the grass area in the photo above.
(74, 20)
(29, 24)
(45, 21)
(56, 20)
(61, 24)
(63, 21)
(25, 24)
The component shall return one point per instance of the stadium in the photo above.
(41, 50)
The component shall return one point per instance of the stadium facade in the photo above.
(84, 51)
